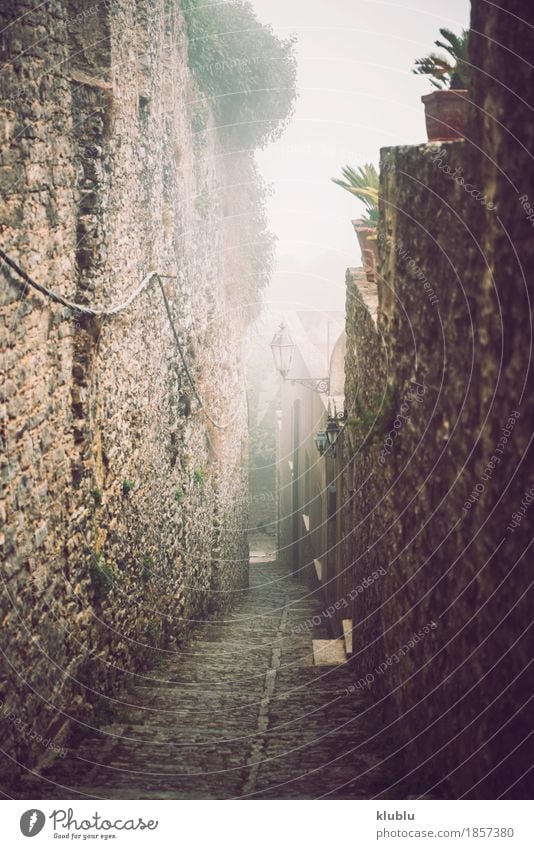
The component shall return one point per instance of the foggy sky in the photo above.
(357, 94)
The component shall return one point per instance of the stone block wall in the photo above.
(124, 507)
(443, 485)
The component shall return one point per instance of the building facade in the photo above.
(307, 515)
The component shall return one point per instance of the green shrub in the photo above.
(199, 477)
(257, 243)
(103, 575)
(127, 486)
(247, 71)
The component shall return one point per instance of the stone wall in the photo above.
(441, 484)
(124, 506)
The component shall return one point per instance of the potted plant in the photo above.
(364, 184)
(446, 108)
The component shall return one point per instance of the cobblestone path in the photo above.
(241, 712)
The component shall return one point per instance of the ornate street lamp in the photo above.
(333, 429)
(321, 441)
(283, 348)
(332, 432)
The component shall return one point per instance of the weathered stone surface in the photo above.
(433, 500)
(125, 500)
(237, 712)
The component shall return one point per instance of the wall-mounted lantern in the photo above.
(325, 440)
(332, 433)
(321, 441)
(333, 429)
(283, 348)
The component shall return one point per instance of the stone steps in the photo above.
(329, 652)
(347, 635)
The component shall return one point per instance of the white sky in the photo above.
(357, 94)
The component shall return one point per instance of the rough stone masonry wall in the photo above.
(447, 508)
(123, 508)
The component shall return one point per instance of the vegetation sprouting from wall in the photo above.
(241, 64)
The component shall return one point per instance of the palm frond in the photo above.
(363, 183)
(443, 72)
(455, 42)
(368, 196)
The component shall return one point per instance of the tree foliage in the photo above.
(450, 71)
(246, 70)
(250, 244)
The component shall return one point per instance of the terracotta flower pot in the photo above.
(368, 247)
(446, 114)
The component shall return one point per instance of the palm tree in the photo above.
(364, 183)
(443, 72)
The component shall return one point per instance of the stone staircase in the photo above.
(334, 652)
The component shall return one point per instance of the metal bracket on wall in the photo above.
(316, 384)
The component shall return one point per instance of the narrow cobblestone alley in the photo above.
(242, 712)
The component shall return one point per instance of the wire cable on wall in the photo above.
(115, 310)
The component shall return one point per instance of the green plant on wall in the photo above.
(370, 422)
(247, 71)
(363, 183)
(127, 486)
(199, 477)
(103, 575)
(179, 496)
(451, 71)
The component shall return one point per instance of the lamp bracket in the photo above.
(316, 384)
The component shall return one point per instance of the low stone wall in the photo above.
(441, 485)
(124, 507)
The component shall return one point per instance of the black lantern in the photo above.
(321, 441)
(282, 347)
(332, 433)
